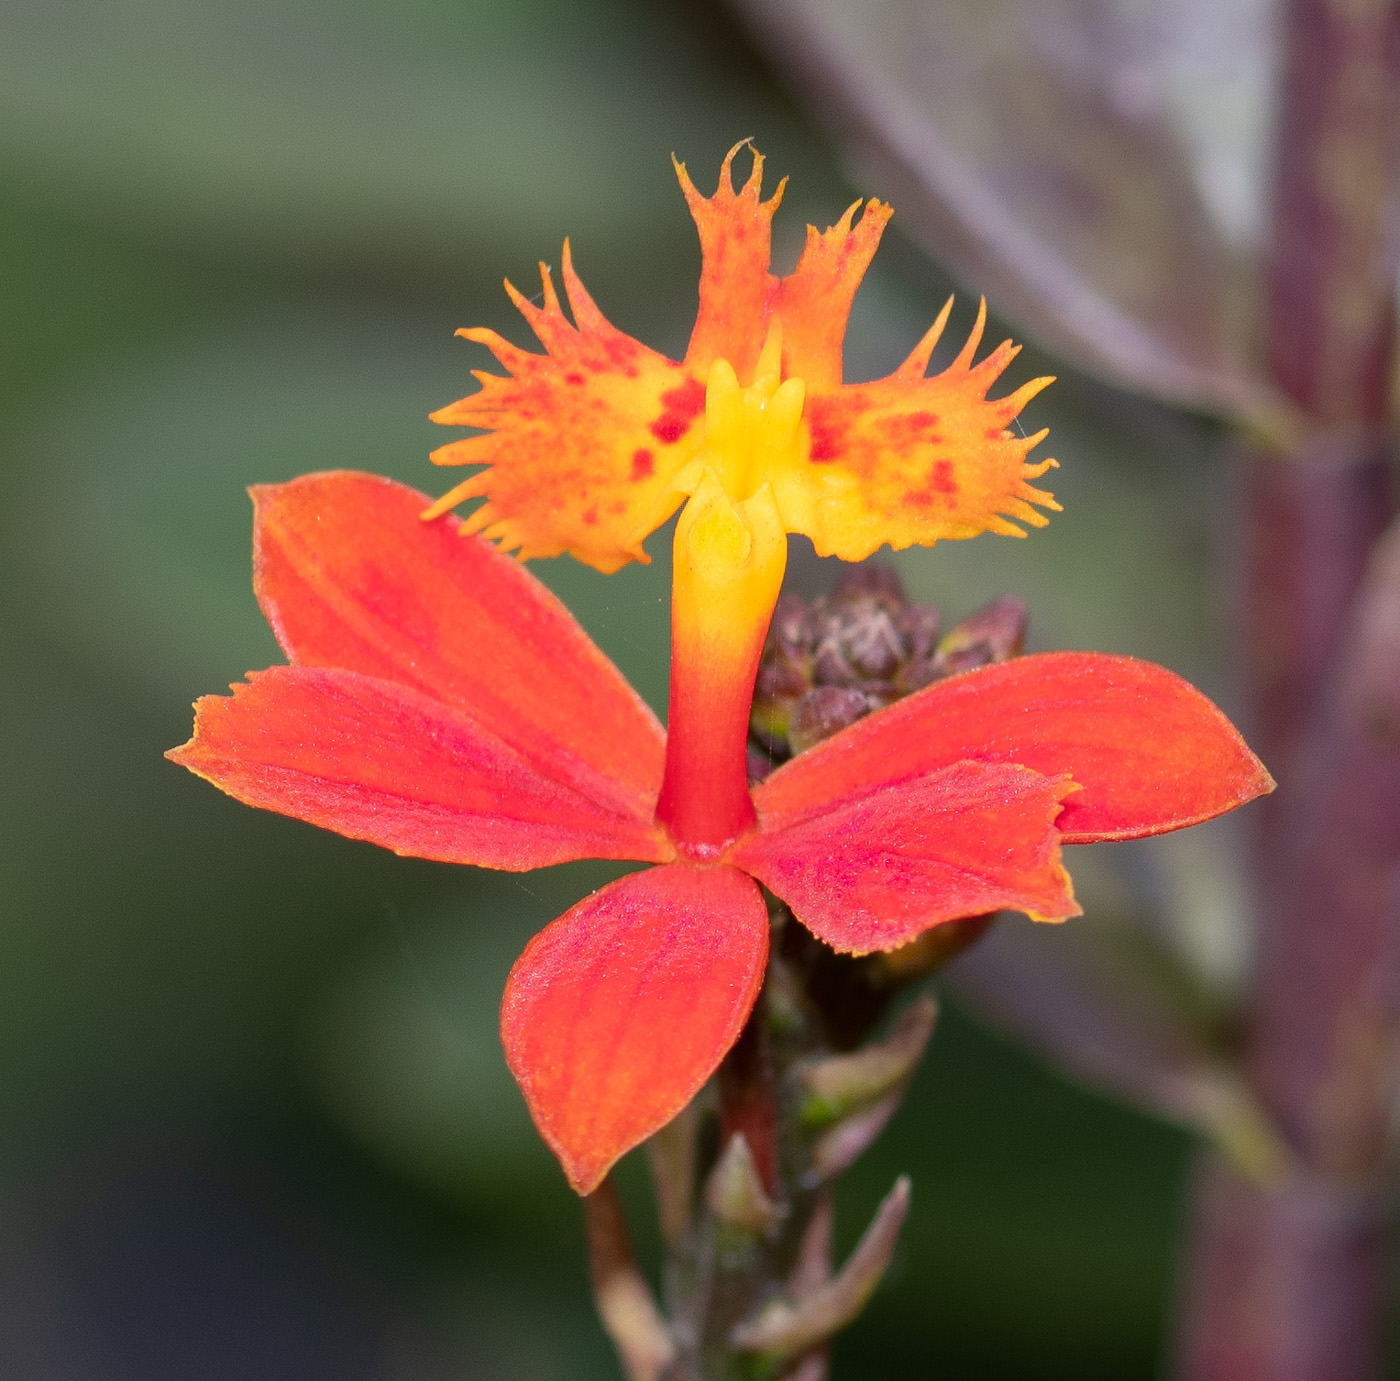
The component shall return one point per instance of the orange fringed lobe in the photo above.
(586, 441)
(908, 460)
(913, 460)
(582, 442)
(736, 230)
(814, 301)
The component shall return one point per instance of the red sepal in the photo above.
(1149, 751)
(874, 870)
(350, 576)
(375, 760)
(618, 1012)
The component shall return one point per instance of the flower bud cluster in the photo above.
(829, 663)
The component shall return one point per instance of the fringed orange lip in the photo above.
(583, 444)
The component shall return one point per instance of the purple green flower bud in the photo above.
(824, 711)
(831, 662)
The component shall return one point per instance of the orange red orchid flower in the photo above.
(439, 701)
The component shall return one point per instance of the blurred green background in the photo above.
(254, 1121)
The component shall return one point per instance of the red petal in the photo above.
(350, 576)
(874, 871)
(618, 1012)
(1149, 750)
(378, 761)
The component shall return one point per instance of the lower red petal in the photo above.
(1149, 750)
(378, 761)
(874, 871)
(618, 1012)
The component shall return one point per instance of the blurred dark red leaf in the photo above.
(1092, 166)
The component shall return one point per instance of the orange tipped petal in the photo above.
(735, 286)
(873, 870)
(814, 301)
(1149, 751)
(375, 760)
(582, 442)
(618, 1012)
(350, 576)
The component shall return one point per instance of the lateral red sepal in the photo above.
(375, 760)
(1149, 751)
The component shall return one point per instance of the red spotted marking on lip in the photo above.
(683, 405)
(643, 463)
(940, 481)
(621, 352)
(828, 422)
(574, 378)
(906, 430)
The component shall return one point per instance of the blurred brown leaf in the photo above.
(1092, 165)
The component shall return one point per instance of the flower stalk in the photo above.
(625, 1303)
(743, 1178)
(748, 1283)
(1286, 1280)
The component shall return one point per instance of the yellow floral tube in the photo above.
(729, 562)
